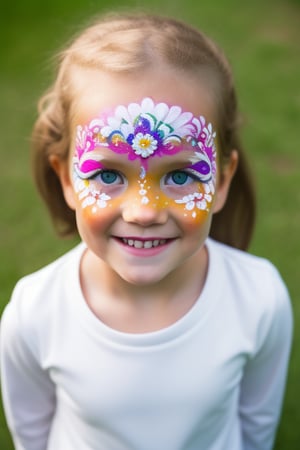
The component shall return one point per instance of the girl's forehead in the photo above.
(97, 92)
(145, 131)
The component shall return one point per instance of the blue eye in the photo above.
(179, 177)
(108, 177)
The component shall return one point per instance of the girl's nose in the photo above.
(144, 214)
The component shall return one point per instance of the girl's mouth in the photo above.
(137, 243)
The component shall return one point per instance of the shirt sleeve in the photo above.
(264, 379)
(28, 393)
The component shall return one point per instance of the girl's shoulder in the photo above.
(240, 260)
(31, 293)
(254, 279)
(253, 288)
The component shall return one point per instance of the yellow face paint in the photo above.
(160, 187)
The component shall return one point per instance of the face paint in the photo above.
(143, 132)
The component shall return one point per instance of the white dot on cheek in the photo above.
(145, 200)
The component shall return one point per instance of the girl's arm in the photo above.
(264, 379)
(28, 393)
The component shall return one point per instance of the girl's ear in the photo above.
(62, 170)
(224, 180)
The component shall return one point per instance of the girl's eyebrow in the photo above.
(103, 156)
(107, 156)
(108, 163)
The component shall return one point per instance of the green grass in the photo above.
(262, 40)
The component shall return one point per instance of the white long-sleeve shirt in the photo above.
(214, 380)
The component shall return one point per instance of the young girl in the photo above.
(150, 335)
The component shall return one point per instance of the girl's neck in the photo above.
(141, 308)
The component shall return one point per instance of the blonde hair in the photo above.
(126, 44)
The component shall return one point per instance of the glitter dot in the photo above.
(142, 173)
(145, 200)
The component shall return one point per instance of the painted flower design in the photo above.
(197, 200)
(144, 144)
(143, 130)
(203, 166)
(88, 195)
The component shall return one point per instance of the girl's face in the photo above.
(143, 175)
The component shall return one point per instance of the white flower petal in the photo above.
(182, 120)
(126, 129)
(79, 184)
(184, 199)
(84, 193)
(88, 201)
(211, 187)
(202, 121)
(173, 114)
(104, 196)
(96, 123)
(114, 123)
(106, 131)
(134, 110)
(196, 122)
(190, 205)
(160, 111)
(201, 205)
(101, 203)
(121, 112)
(147, 105)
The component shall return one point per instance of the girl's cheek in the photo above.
(194, 205)
(91, 202)
(192, 210)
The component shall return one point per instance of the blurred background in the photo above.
(262, 41)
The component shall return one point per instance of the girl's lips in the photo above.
(146, 244)
(140, 243)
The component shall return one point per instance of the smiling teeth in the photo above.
(144, 244)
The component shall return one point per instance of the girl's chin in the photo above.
(140, 279)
